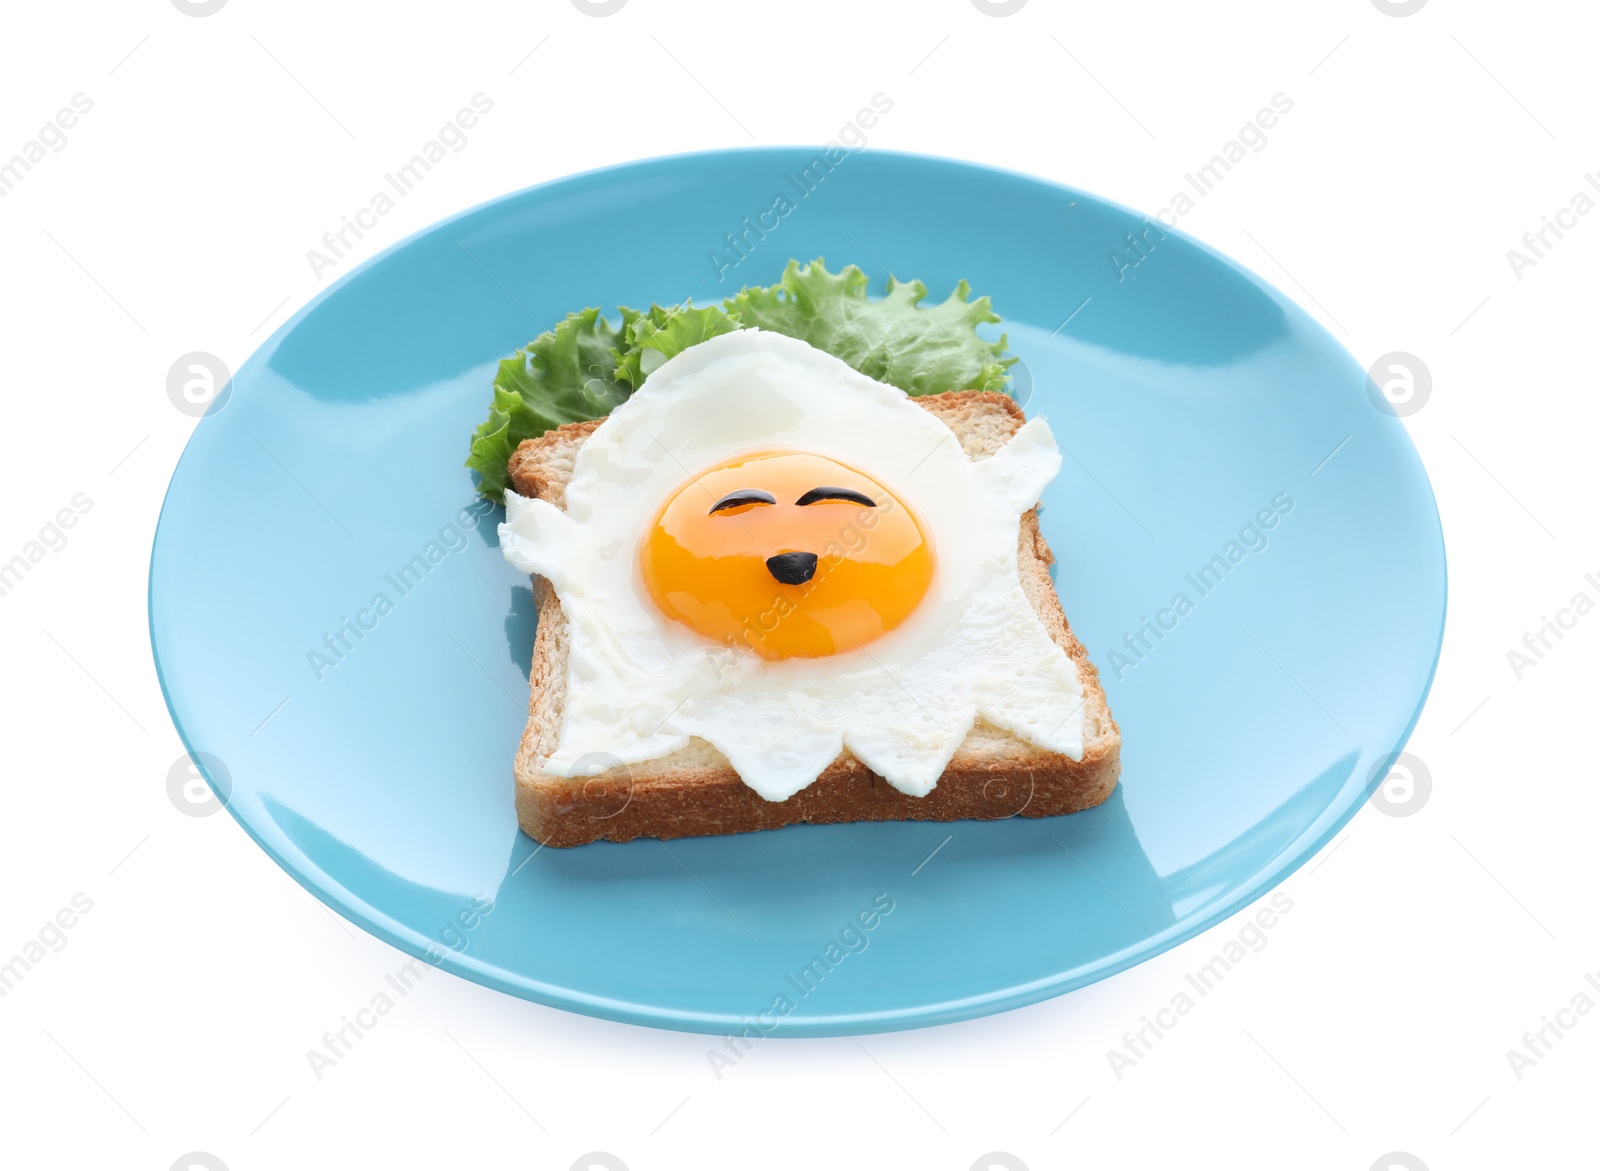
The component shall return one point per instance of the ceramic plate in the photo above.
(1245, 539)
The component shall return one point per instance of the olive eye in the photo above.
(741, 498)
(850, 494)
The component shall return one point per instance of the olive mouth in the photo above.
(792, 568)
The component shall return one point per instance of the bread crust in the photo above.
(696, 791)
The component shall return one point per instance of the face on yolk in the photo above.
(791, 554)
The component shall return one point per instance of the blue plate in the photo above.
(1222, 449)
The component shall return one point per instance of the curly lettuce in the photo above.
(660, 334)
(563, 376)
(921, 349)
(586, 366)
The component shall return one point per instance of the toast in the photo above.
(695, 791)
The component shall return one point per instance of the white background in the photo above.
(177, 217)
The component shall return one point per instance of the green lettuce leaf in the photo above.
(660, 334)
(586, 366)
(564, 375)
(922, 350)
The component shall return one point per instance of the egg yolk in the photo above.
(788, 554)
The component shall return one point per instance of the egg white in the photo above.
(640, 685)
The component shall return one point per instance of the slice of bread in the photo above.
(695, 791)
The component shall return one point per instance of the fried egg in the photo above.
(771, 552)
